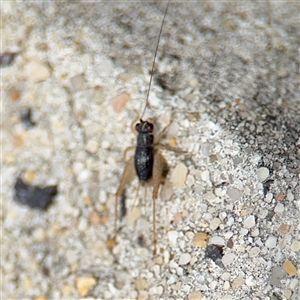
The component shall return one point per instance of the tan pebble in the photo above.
(37, 71)
(213, 158)
(140, 284)
(84, 285)
(193, 116)
(158, 260)
(243, 212)
(27, 283)
(295, 246)
(172, 142)
(177, 218)
(14, 94)
(289, 268)
(95, 218)
(280, 196)
(196, 295)
(87, 200)
(226, 286)
(194, 82)
(41, 297)
(119, 102)
(200, 239)
(284, 228)
(178, 176)
(288, 294)
(18, 141)
(29, 175)
(237, 282)
(143, 295)
(66, 289)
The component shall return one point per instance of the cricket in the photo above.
(147, 163)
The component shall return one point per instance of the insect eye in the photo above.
(150, 127)
(137, 126)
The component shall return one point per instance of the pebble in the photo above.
(276, 275)
(279, 208)
(205, 175)
(217, 240)
(237, 282)
(39, 234)
(200, 239)
(295, 246)
(294, 283)
(254, 251)
(226, 286)
(84, 285)
(234, 194)
(184, 259)
(83, 224)
(249, 222)
(271, 242)
(215, 223)
(289, 268)
(37, 71)
(284, 228)
(262, 174)
(196, 295)
(78, 82)
(140, 284)
(178, 176)
(172, 236)
(119, 102)
(92, 146)
(227, 259)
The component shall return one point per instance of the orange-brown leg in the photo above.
(160, 170)
(127, 177)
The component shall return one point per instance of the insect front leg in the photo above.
(160, 170)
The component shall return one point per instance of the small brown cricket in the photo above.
(147, 163)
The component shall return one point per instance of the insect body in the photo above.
(147, 163)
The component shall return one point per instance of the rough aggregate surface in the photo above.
(227, 77)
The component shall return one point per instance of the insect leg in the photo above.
(160, 170)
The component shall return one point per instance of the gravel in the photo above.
(226, 80)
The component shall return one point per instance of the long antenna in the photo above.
(152, 70)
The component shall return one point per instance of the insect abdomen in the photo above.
(143, 158)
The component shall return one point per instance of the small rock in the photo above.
(214, 252)
(119, 102)
(227, 259)
(237, 282)
(249, 222)
(184, 259)
(37, 71)
(284, 228)
(279, 208)
(271, 242)
(196, 295)
(277, 274)
(254, 252)
(295, 246)
(78, 82)
(178, 176)
(262, 174)
(173, 235)
(140, 284)
(215, 223)
(92, 146)
(84, 285)
(217, 240)
(234, 194)
(200, 239)
(226, 286)
(289, 268)
(6, 58)
(41, 297)
(281, 196)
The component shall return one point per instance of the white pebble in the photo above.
(279, 208)
(178, 176)
(205, 175)
(227, 259)
(83, 224)
(234, 194)
(184, 259)
(254, 251)
(249, 222)
(37, 71)
(92, 146)
(217, 240)
(215, 223)
(271, 242)
(173, 235)
(295, 246)
(262, 174)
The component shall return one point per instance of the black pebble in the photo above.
(6, 59)
(33, 196)
(215, 253)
